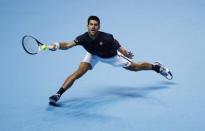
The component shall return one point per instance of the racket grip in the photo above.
(43, 48)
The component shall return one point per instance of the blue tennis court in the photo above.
(106, 98)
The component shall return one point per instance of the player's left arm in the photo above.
(125, 52)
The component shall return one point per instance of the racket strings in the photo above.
(31, 45)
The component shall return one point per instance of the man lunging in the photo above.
(103, 47)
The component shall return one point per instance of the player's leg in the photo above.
(83, 68)
(128, 64)
(88, 62)
(159, 68)
(138, 66)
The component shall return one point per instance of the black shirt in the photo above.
(104, 45)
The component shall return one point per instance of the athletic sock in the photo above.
(156, 68)
(61, 91)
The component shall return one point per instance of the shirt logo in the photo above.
(101, 43)
(76, 41)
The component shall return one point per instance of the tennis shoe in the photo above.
(164, 71)
(53, 99)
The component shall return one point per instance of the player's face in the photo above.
(93, 27)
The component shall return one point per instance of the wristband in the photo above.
(57, 45)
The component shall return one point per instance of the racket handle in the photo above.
(43, 48)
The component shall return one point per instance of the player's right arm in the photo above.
(62, 45)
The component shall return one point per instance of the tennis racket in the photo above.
(33, 46)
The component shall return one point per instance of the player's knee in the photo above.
(133, 67)
(80, 72)
(83, 68)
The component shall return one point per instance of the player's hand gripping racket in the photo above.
(33, 46)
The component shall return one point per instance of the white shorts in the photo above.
(118, 61)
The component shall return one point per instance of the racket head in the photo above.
(31, 45)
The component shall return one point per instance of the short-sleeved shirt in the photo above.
(104, 45)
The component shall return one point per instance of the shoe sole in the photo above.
(170, 74)
(52, 102)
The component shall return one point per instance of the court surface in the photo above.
(106, 98)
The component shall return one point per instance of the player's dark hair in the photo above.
(94, 18)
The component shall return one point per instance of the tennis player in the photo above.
(101, 47)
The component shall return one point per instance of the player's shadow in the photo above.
(94, 106)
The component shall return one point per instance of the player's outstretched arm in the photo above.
(62, 45)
